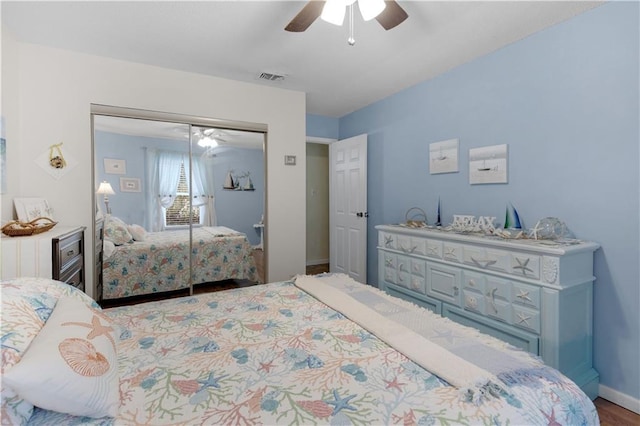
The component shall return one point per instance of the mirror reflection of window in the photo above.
(182, 212)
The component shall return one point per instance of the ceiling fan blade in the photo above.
(309, 13)
(392, 15)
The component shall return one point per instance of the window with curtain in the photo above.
(182, 212)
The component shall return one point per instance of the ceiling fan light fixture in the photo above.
(334, 11)
(208, 142)
(370, 9)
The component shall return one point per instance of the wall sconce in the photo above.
(106, 190)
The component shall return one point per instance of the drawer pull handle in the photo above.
(523, 319)
(456, 290)
(472, 283)
(70, 252)
(400, 268)
(388, 241)
(522, 265)
(524, 296)
(492, 293)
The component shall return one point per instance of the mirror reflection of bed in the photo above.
(186, 208)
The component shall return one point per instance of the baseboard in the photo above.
(317, 262)
(619, 398)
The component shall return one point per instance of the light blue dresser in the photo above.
(536, 295)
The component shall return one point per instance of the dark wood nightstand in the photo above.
(67, 254)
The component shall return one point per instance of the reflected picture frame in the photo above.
(130, 185)
(114, 166)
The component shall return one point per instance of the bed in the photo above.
(269, 354)
(138, 262)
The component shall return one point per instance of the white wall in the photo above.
(52, 104)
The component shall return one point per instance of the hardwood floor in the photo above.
(614, 415)
(317, 269)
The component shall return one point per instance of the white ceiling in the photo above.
(241, 39)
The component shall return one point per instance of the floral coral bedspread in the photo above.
(161, 262)
(273, 354)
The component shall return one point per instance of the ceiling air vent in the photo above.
(270, 77)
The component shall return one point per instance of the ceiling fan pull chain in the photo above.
(351, 40)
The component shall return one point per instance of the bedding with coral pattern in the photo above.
(274, 354)
(161, 262)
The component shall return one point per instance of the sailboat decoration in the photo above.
(229, 182)
(438, 220)
(512, 219)
(248, 186)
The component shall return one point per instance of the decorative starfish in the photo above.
(523, 266)
(341, 403)
(266, 366)
(433, 250)
(523, 319)
(394, 384)
(451, 252)
(97, 329)
(524, 295)
(388, 240)
(389, 262)
(211, 381)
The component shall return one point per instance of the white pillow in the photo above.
(116, 230)
(137, 232)
(108, 248)
(71, 366)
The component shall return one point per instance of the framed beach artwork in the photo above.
(443, 157)
(130, 185)
(115, 166)
(29, 209)
(488, 164)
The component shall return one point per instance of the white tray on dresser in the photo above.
(537, 295)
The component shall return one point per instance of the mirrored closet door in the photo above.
(178, 203)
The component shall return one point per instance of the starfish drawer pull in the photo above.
(389, 262)
(523, 319)
(524, 295)
(388, 240)
(522, 265)
(433, 250)
(451, 252)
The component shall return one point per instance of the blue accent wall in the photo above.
(320, 126)
(238, 210)
(566, 101)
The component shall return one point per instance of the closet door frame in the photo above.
(191, 121)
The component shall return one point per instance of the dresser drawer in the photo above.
(74, 274)
(68, 258)
(68, 251)
(443, 283)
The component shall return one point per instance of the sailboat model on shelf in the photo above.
(249, 185)
(229, 182)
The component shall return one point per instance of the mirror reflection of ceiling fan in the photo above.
(209, 137)
(387, 12)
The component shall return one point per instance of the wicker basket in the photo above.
(16, 228)
(415, 218)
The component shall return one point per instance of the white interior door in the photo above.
(348, 207)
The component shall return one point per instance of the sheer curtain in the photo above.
(202, 190)
(163, 174)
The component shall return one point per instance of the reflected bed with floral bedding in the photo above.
(160, 263)
(275, 354)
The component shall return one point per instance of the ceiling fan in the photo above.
(391, 15)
